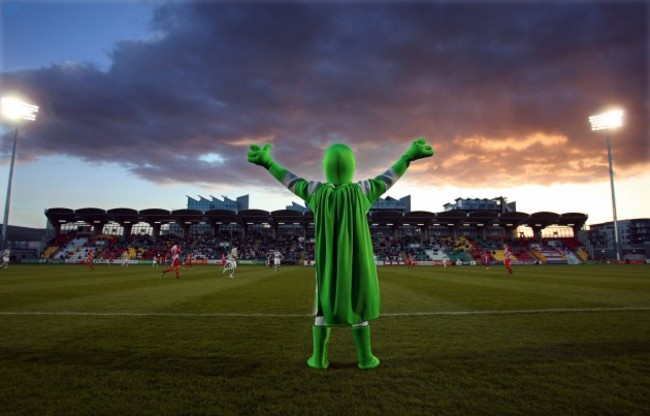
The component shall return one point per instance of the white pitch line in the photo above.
(152, 314)
(522, 311)
(265, 315)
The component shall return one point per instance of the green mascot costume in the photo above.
(347, 288)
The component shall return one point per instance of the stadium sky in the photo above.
(145, 102)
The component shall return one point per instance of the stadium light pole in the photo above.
(16, 111)
(607, 122)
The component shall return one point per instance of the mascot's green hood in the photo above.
(339, 164)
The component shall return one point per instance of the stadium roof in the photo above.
(153, 216)
(188, 216)
(222, 216)
(513, 219)
(123, 215)
(288, 216)
(255, 216)
(418, 217)
(451, 218)
(385, 217)
(61, 215)
(92, 215)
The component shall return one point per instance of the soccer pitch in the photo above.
(548, 340)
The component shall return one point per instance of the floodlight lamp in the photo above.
(608, 120)
(15, 109)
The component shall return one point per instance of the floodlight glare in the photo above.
(15, 109)
(608, 120)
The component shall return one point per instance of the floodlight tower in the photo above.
(16, 111)
(607, 122)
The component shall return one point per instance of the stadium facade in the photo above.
(204, 204)
(499, 204)
(425, 224)
(383, 204)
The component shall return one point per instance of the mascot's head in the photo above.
(339, 164)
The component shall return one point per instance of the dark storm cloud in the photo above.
(500, 89)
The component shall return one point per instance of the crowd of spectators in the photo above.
(259, 244)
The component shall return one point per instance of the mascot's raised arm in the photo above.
(347, 288)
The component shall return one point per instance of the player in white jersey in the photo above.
(277, 260)
(231, 262)
(125, 259)
(6, 254)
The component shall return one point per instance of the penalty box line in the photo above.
(267, 315)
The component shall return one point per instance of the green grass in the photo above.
(550, 340)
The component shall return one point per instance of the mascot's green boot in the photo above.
(321, 338)
(364, 351)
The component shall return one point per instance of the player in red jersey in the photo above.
(175, 252)
(507, 252)
(90, 258)
(188, 262)
(410, 261)
(486, 260)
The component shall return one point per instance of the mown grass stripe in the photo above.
(267, 315)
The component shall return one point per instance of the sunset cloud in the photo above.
(502, 90)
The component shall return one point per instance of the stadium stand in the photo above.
(427, 237)
(257, 245)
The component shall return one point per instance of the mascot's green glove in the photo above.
(262, 156)
(419, 150)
